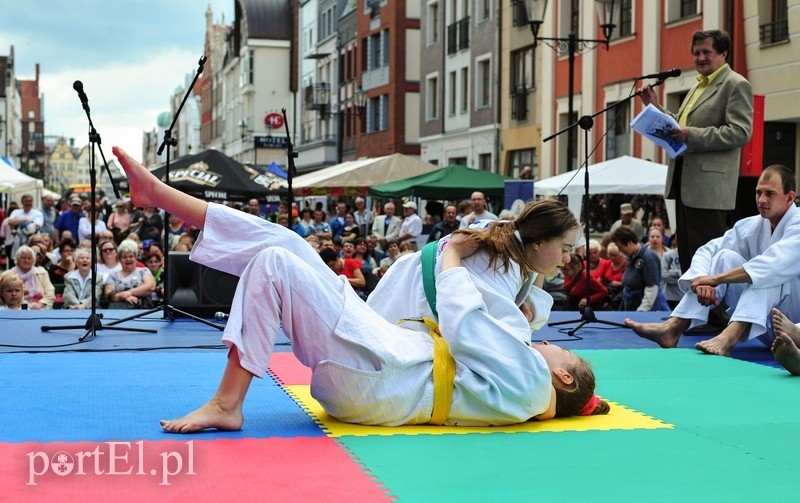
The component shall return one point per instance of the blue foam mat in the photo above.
(122, 396)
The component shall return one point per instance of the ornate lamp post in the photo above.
(573, 45)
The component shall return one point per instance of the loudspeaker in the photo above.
(197, 289)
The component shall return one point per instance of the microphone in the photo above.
(220, 316)
(78, 86)
(674, 72)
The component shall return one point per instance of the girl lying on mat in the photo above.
(365, 369)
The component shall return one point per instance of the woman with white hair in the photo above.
(79, 283)
(130, 287)
(39, 290)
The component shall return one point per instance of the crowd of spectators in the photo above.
(48, 249)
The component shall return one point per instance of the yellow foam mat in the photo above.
(619, 418)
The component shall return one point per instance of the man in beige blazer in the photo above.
(716, 120)
(386, 227)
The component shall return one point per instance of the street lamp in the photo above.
(573, 45)
(358, 100)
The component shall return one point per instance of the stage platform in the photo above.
(81, 423)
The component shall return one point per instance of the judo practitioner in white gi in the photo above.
(754, 267)
(786, 346)
(507, 286)
(365, 369)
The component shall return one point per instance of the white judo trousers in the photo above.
(772, 259)
(365, 369)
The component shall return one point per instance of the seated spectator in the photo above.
(175, 229)
(575, 287)
(315, 243)
(155, 263)
(641, 281)
(39, 290)
(348, 251)
(130, 287)
(393, 251)
(655, 241)
(319, 226)
(350, 231)
(368, 263)
(107, 261)
(406, 248)
(59, 270)
(11, 292)
(611, 276)
(119, 222)
(85, 225)
(597, 264)
(347, 267)
(372, 249)
(78, 283)
(658, 223)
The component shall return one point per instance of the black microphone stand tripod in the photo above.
(94, 322)
(169, 141)
(586, 122)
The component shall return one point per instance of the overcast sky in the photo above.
(131, 55)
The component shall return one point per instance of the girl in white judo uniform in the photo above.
(367, 370)
(505, 290)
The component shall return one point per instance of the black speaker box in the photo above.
(197, 289)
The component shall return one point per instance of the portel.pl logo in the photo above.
(112, 459)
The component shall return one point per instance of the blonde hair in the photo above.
(8, 279)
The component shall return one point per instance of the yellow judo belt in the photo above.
(444, 372)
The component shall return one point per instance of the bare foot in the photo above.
(142, 183)
(786, 352)
(664, 334)
(210, 415)
(782, 323)
(722, 344)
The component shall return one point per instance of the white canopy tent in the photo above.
(622, 175)
(365, 172)
(16, 184)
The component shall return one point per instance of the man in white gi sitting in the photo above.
(753, 267)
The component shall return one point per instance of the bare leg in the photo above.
(786, 352)
(664, 334)
(224, 410)
(782, 323)
(723, 343)
(147, 190)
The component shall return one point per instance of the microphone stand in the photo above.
(169, 310)
(586, 122)
(292, 170)
(94, 322)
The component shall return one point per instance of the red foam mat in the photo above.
(189, 469)
(288, 370)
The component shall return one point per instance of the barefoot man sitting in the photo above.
(753, 267)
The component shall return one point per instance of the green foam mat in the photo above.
(734, 440)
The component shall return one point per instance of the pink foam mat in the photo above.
(187, 469)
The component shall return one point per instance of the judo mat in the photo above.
(81, 423)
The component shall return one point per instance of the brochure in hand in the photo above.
(656, 126)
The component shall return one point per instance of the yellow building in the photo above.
(63, 167)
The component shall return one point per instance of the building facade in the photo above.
(460, 102)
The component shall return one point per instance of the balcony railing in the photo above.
(463, 33)
(458, 36)
(452, 38)
(774, 32)
(317, 96)
(519, 103)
